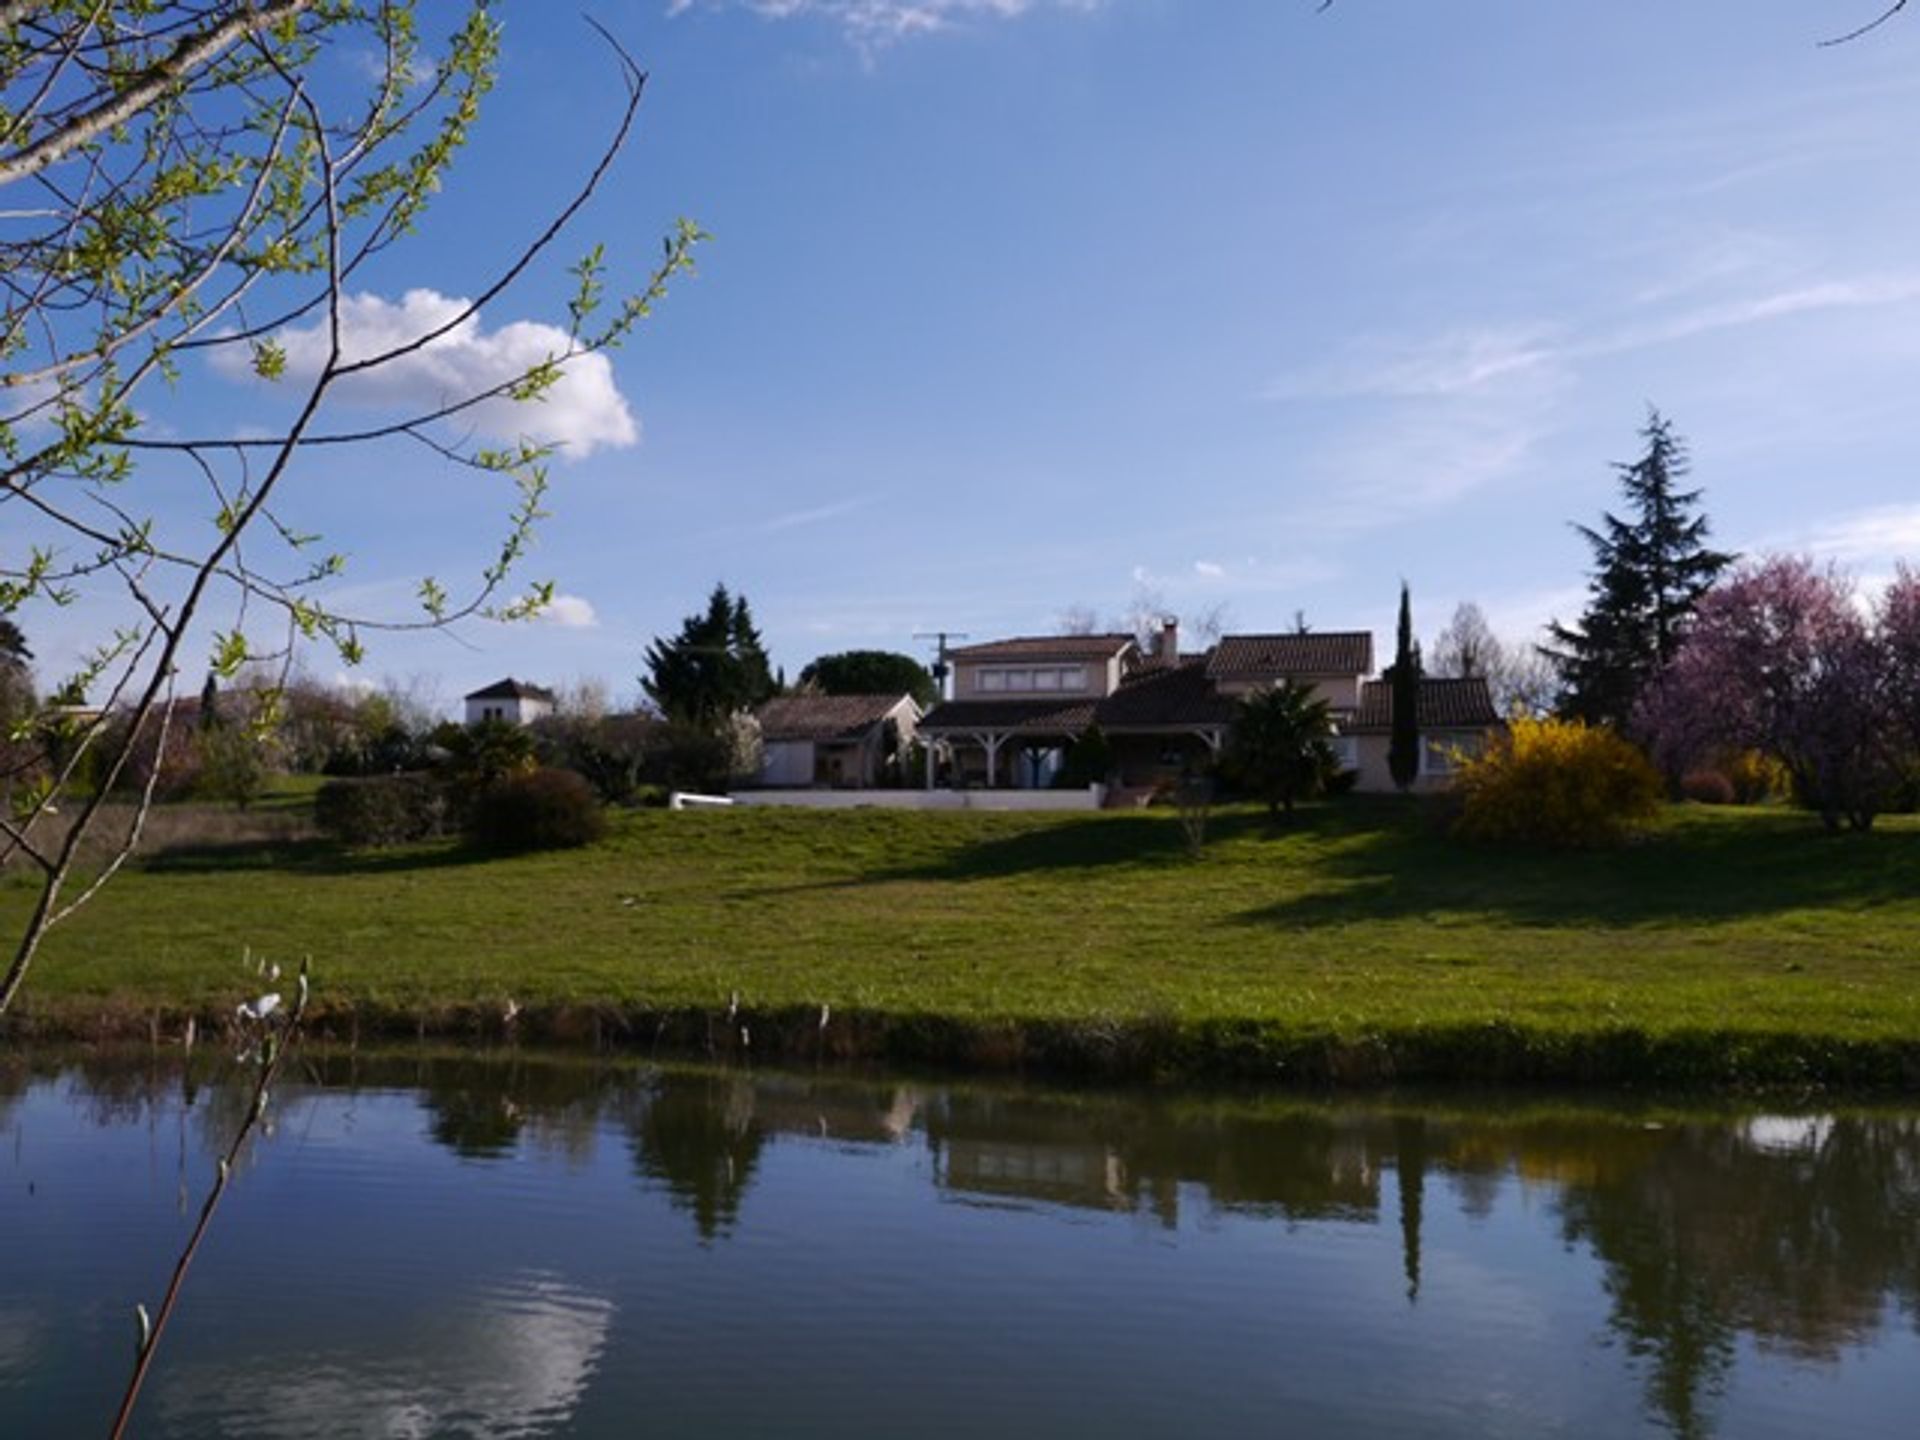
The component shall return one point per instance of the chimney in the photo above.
(1169, 651)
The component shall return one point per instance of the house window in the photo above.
(990, 680)
(1073, 677)
(1046, 679)
(1442, 754)
(1346, 751)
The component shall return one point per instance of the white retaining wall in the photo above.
(1089, 799)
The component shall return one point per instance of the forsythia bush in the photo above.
(1557, 782)
(1757, 777)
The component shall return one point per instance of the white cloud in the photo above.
(570, 612)
(874, 24)
(1208, 570)
(581, 412)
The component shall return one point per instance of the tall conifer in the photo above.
(1403, 680)
(1649, 571)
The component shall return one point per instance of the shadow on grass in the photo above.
(1702, 867)
(310, 857)
(1085, 845)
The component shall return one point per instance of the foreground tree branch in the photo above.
(181, 168)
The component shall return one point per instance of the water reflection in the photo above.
(516, 1362)
(1795, 1235)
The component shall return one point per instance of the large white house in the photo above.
(514, 701)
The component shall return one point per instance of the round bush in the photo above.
(1707, 787)
(1558, 783)
(381, 809)
(544, 810)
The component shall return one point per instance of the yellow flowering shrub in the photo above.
(1557, 782)
(1756, 777)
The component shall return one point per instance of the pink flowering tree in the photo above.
(1781, 659)
(1899, 621)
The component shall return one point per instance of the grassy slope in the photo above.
(1358, 923)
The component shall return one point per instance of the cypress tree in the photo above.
(1650, 570)
(1403, 681)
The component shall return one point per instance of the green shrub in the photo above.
(1560, 783)
(545, 810)
(382, 809)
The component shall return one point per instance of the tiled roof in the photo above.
(1256, 657)
(511, 689)
(1163, 699)
(1045, 647)
(823, 717)
(1031, 717)
(1444, 705)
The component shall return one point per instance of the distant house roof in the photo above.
(1159, 699)
(1045, 647)
(511, 689)
(1444, 705)
(1253, 657)
(1029, 717)
(825, 717)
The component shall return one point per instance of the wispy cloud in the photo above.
(1465, 361)
(1877, 535)
(872, 25)
(814, 515)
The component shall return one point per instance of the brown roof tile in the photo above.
(511, 689)
(1030, 717)
(1256, 657)
(823, 717)
(1179, 697)
(1461, 704)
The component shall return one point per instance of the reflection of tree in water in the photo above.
(698, 1136)
(482, 1107)
(1797, 1242)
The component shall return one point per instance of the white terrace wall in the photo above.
(1089, 799)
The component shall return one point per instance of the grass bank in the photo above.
(1729, 948)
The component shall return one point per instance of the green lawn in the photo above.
(1360, 926)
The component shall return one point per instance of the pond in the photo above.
(508, 1247)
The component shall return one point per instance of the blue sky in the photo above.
(1015, 305)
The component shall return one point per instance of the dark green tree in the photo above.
(16, 674)
(1279, 748)
(1403, 686)
(210, 703)
(1650, 570)
(870, 672)
(715, 666)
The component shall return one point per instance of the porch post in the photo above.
(931, 742)
(992, 742)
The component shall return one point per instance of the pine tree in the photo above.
(1403, 681)
(1650, 570)
(713, 668)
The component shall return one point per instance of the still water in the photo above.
(515, 1247)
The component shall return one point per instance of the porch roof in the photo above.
(1012, 717)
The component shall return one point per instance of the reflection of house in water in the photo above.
(876, 1114)
(1111, 1158)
